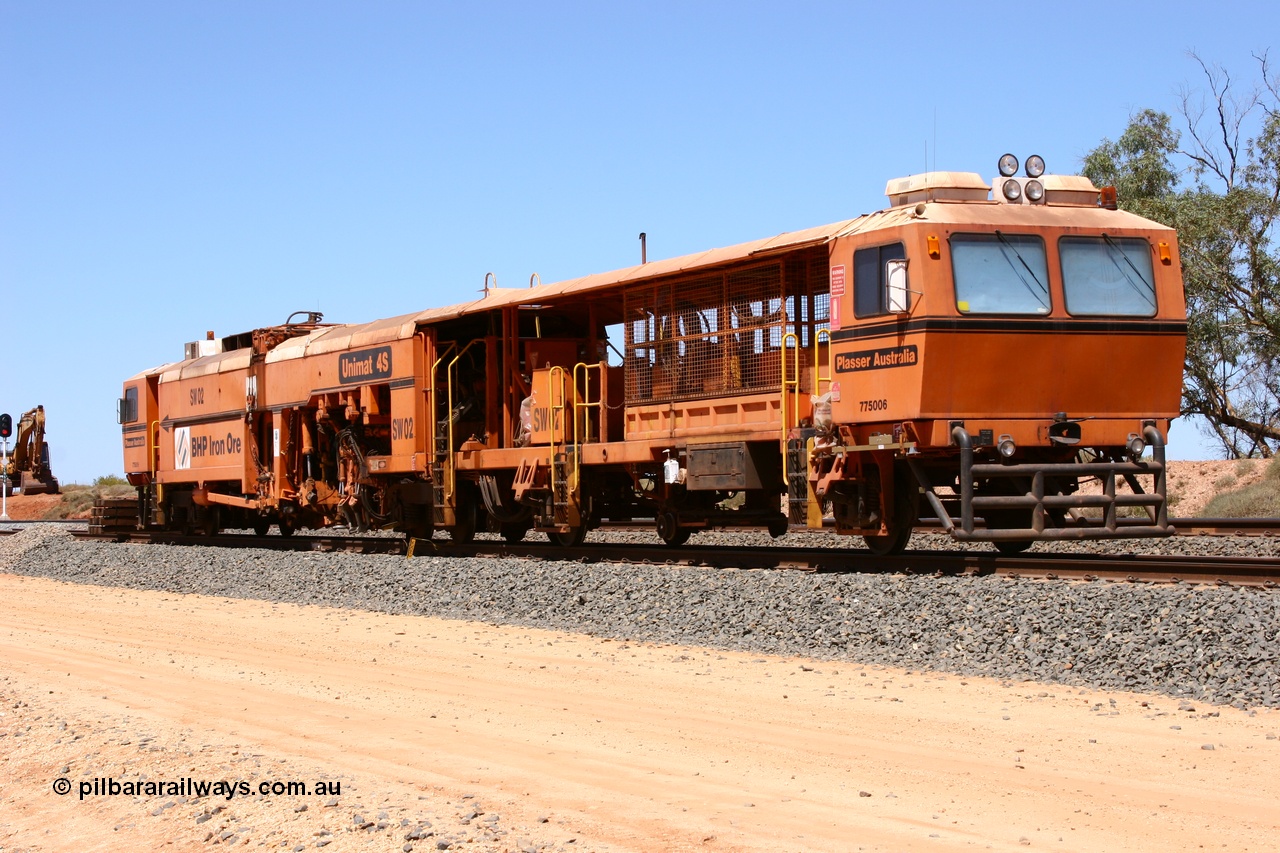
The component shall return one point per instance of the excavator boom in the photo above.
(28, 466)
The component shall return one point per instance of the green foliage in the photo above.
(1138, 164)
(1221, 191)
(110, 480)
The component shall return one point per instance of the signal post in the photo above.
(6, 430)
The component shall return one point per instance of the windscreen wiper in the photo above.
(1149, 297)
(1043, 289)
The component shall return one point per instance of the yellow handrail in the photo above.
(555, 370)
(818, 378)
(795, 385)
(451, 480)
(431, 418)
(580, 407)
(153, 448)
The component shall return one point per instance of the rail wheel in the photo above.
(1009, 547)
(287, 526)
(514, 531)
(208, 523)
(464, 529)
(901, 525)
(1009, 520)
(261, 525)
(670, 531)
(571, 538)
(893, 542)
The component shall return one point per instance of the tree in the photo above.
(1221, 191)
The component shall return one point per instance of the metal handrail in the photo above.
(1039, 501)
(581, 407)
(551, 410)
(818, 378)
(795, 383)
(451, 478)
(153, 449)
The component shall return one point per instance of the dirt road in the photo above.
(488, 738)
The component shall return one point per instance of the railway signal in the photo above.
(6, 430)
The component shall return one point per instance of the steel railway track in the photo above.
(1236, 571)
(314, 542)
(1184, 526)
(1244, 571)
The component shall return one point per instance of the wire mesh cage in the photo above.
(724, 333)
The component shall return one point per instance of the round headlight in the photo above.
(1006, 447)
(1035, 190)
(1035, 166)
(1136, 446)
(1008, 166)
(1012, 190)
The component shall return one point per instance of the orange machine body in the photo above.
(954, 355)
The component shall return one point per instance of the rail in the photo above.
(1261, 572)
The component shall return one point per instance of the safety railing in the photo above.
(449, 471)
(582, 410)
(818, 378)
(153, 448)
(793, 386)
(1040, 505)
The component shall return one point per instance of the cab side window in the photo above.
(869, 291)
(128, 412)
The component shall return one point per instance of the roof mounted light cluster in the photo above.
(1028, 190)
(1034, 187)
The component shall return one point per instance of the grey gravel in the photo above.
(1212, 644)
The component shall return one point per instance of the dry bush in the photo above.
(77, 501)
(1258, 500)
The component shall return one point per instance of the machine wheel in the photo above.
(893, 542)
(680, 537)
(287, 526)
(1009, 547)
(571, 538)
(514, 531)
(467, 518)
(904, 521)
(208, 522)
(464, 529)
(779, 527)
(670, 531)
(261, 525)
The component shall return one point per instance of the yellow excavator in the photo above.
(28, 467)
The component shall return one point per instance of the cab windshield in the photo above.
(1000, 274)
(1107, 275)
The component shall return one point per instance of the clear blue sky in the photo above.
(172, 167)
